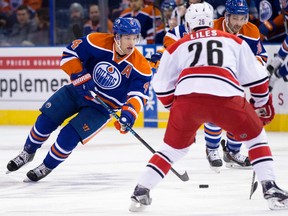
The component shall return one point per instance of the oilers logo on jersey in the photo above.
(106, 75)
(265, 11)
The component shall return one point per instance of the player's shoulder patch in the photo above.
(103, 40)
(250, 30)
(218, 23)
(167, 41)
(149, 9)
(125, 12)
(140, 63)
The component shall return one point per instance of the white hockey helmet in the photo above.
(199, 15)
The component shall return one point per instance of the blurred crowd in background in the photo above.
(50, 22)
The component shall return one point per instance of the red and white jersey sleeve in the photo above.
(210, 62)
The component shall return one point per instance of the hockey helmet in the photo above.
(126, 26)
(199, 15)
(238, 7)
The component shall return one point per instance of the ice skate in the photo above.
(235, 160)
(19, 161)
(275, 63)
(272, 80)
(140, 199)
(277, 198)
(214, 159)
(38, 173)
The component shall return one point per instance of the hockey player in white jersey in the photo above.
(200, 79)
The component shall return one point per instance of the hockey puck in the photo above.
(203, 186)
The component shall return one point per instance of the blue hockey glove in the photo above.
(83, 83)
(266, 27)
(127, 118)
(154, 61)
(274, 64)
(283, 72)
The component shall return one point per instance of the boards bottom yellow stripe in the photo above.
(28, 117)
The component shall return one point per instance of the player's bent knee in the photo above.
(68, 138)
(172, 153)
(261, 138)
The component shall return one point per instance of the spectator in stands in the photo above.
(41, 36)
(9, 6)
(3, 27)
(20, 30)
(167, 8)
(116, 12)
(219, 7)
(149, 18)
(177, 17)
(149, 2)
(76, 18)
(93, 24)
(178, 14)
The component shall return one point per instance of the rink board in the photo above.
(28, 76)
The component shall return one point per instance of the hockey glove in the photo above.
(83, 83)
(127, 118)
(266, 27)
(154, 61)
(275, 63)
(266, 112)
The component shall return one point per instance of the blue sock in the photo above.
(213, 135)
(232, 144)
(39, 133)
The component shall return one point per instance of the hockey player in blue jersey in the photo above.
(235, 21)
(107, 64)
(278, 67)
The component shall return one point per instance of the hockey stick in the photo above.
(183, 177)
(254, 185)
(282, 6)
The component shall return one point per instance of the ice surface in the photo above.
(99, 177)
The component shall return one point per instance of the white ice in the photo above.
(99, 177)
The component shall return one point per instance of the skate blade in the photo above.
(7, 172)
(237, 166)
(136, 207)
(27, 180)
(275, 204)
(215, 169)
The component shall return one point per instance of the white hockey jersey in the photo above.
(213, 62)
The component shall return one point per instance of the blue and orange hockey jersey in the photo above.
(117, 79)
(249, 32)
(269, 11)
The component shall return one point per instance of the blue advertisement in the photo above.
(150, 110)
